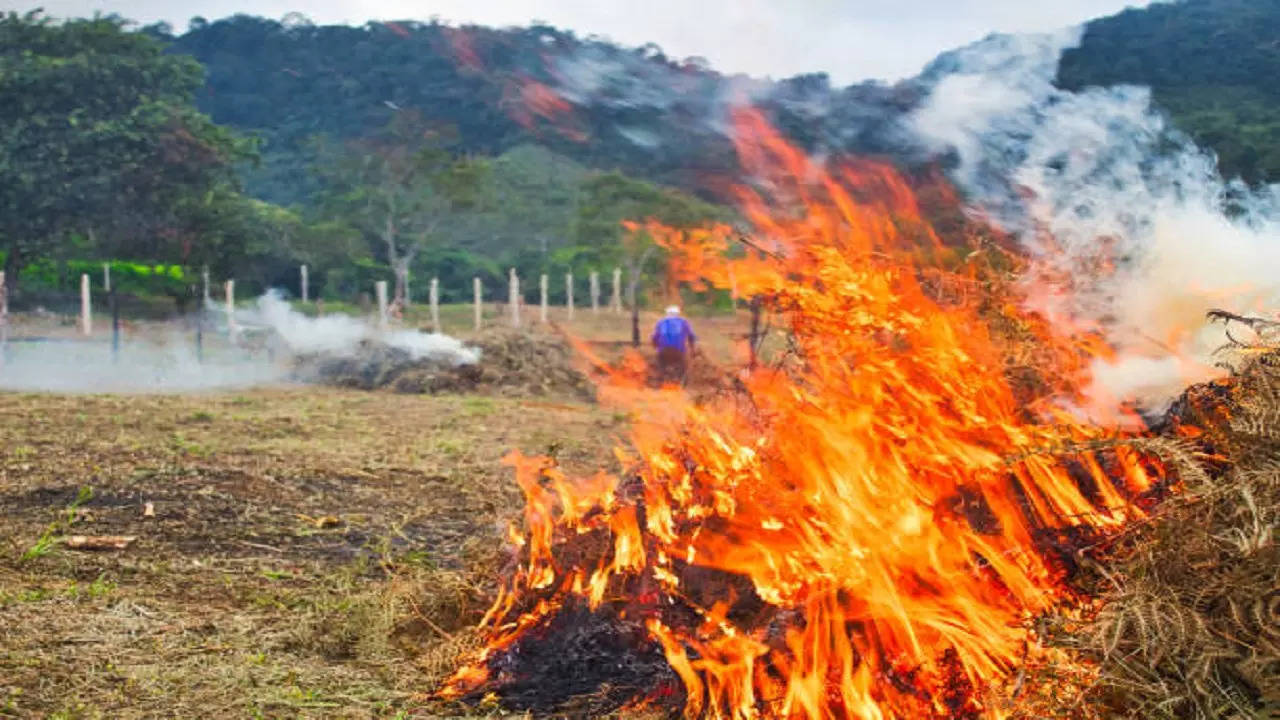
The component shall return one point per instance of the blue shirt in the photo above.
(673, 332)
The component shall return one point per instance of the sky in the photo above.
(850, 40)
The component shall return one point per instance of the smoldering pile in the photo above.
(501, 360)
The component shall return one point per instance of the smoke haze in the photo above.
(167, 361)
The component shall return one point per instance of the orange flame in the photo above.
(885, 494)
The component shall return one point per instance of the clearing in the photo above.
(305, 552)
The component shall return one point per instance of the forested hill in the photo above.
(1213, 64)
(641, 111)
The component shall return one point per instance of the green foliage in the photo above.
(101, 151)
(292, 81)
(127, 168)
(1210, 63)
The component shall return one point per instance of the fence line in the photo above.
(514, 305)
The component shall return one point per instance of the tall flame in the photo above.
(883, 494)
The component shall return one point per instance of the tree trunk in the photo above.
(401, 268)
(12, 264)
(632, 285)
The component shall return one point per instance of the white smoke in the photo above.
(165, 358)
(1082, 175)
(342, 334)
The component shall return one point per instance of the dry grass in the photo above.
(1189, 625)
(313, 552)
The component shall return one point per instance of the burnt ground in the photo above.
(311, 553)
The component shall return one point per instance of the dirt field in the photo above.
(311, 552)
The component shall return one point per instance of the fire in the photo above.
(865, 529)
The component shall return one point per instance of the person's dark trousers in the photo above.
(672, 365)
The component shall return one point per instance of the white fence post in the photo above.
(542, 291)
(475, 286)
(231, 307)
(595, 293)
(4, 317)
(435, 304)
(106, 277)
(616, 300)
(380, 289)
(204, 278)
(568, 294)
(303, 272)
(86, 312)
(513, 287)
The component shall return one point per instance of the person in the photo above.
(674, 340)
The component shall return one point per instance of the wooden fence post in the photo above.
(435, 304)
(595, 293)
(231, 307)
(114, 299)
(568, 293)
(513, 297)
(106, 277)
(204, 278)
(475, 286)
(380, 289)
(303, 272)
(4, 318)
(86, 311)
(617, 291)
(542, 292)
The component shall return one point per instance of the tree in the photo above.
(400, 187)
(612, 198)
(98, 139)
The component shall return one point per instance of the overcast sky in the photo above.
(849, 39)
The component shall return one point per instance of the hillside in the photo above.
(1212, 64)
(640, 111)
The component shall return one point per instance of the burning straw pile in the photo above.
(884, 526)
(1189, 625)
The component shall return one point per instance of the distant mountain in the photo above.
(1214, 65)
(632, 109)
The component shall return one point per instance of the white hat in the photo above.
(673, 309)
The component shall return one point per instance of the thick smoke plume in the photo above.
(166, 360)
(1135, 232)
